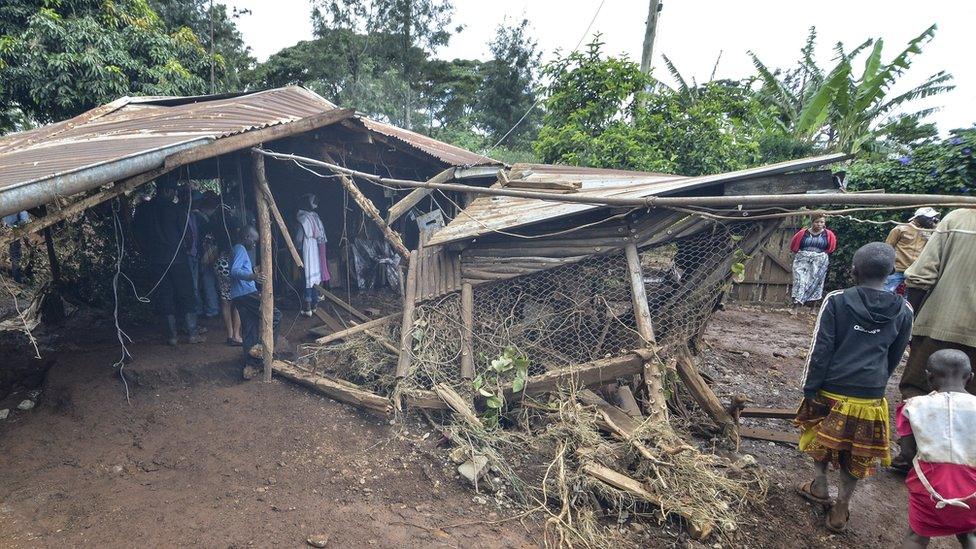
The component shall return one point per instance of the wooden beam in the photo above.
(698, 528)
(282, 226)
(653, 375)
(256, 137)
(415, 196)
(356, 313)
(267, 265)
(597, 372)
(342, 334)
(427, 400)
(406, 326)
(701, 392)
(370, 210)
(457, 403)
(343, 391)
(627, 401)
(330, 321)
(769, 413)
(467, 340)
(769, 434)
(79, 206)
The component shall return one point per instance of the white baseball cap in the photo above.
(926, 212)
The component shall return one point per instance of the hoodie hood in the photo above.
(874, 307)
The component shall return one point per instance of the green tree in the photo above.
(508, 89)
(56, 62)
(841, 110)
(228, 43)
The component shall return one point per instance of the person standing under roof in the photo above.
(16, 252)
(310, 238)
(812, 247)
(908, 240)
(247, 301)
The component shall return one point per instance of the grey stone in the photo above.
(318, 540)
(4, 413)
(474, 468)
(25, 404)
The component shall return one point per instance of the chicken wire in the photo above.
(559, 317)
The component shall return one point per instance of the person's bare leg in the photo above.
(967, 541)
(227, 314)
(840, 511)
(237, 324)
(819, 487)
(915, 541)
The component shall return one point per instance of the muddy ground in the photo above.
(199, 457)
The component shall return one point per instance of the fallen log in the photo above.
(698, 528)
(701, 392)
(425, 400)
(340, 390)
(597, 372)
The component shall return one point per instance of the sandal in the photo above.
(806, 492)
(843, 526)
(231, 342)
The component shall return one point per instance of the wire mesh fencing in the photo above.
(558, 317)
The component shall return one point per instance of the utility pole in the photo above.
(651, 30)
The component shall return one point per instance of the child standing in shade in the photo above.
(859, 339)
(942, 427)
(247, 301)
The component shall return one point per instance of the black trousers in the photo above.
(249, 308)
(174, 295)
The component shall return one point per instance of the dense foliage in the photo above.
(939, 167)
(58, 59)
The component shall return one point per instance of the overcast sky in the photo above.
(693, 33)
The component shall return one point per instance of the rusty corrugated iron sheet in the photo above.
(133, 125)
(488, 214)
(444, 152)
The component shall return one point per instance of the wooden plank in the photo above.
(406, 326)
(768, 434)
(794, 183)
(415, 196)
(368, 208)
(701, 392)
(698, 528)
(627, 401)
(467, 341)
(340, 390)
(282, 226)
(588, 374)
(267, 265)
(769, 413)
(427, 400)
(356, 313)
(615, 420)
(256, 137)
(342, 334)
(330, 321)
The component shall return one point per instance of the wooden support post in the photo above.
(467, 342)
(653, 375)
(267, 264)
(406, 327)
(370, 210)
(702, 393)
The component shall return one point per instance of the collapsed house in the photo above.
(573, 298)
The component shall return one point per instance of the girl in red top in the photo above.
(811, 247)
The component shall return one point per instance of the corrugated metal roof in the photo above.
(447, 153)
(495, 213)
(132, 125)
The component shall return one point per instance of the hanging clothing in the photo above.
(942, 483)
(809, 273)
(310, 237)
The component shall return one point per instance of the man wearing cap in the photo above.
(908, 239)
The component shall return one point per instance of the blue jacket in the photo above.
(240, 273)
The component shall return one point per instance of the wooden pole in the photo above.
(370, 210)
(650, 30)
(267, 265)
(702, 393)
(406, 327)
(467, 318)
(653, 376)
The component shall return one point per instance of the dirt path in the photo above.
(761, 354)
(201, 458)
